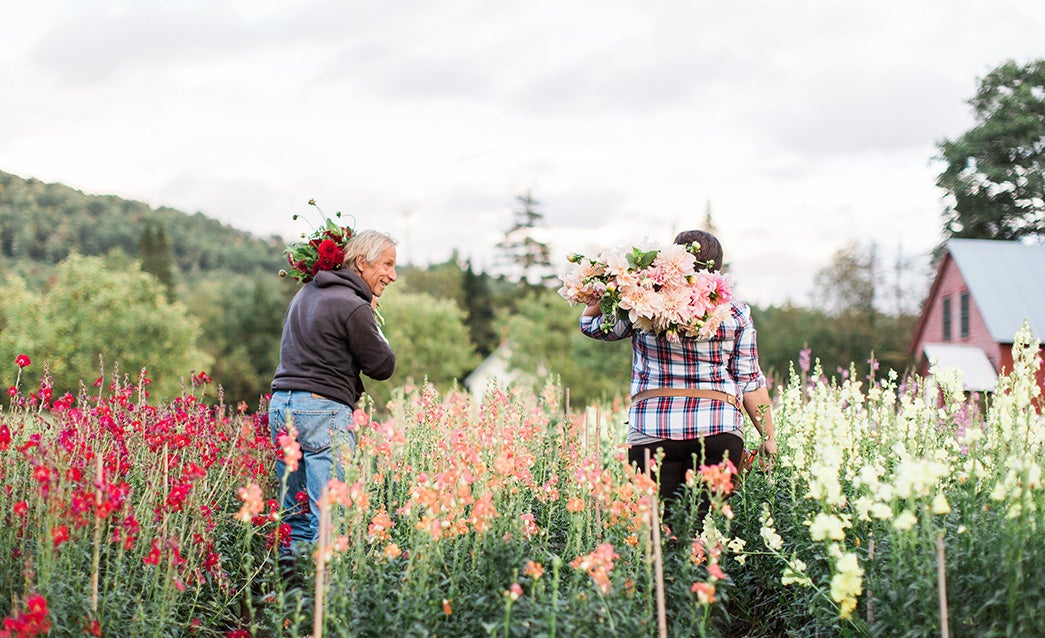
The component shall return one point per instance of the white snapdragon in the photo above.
(881, 511)
(917, 477)
(827, 526)
(795, 574)
(905, 521)
(847, 583)
(768, 532)
(940, 505)
(862, 506)
(867, 477)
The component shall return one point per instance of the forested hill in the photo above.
(41, 224)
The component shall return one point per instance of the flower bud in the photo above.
(574, 258)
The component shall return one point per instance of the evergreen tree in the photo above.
(479, 304)
(155, 253)
(528, 259)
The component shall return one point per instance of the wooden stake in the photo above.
(598, 456)
(870, 595)
(585, 448)
(321, 561)
(941, 580)
(658, 560)
(166, 489)
(96, 558)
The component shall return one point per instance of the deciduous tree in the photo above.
(547, 340)
(430, 339)
(995, 174)
(93, 310)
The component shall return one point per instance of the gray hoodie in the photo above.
(330, 337)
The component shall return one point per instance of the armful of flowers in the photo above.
(322, 249)
(658, 288)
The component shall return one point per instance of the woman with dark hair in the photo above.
(689, 395)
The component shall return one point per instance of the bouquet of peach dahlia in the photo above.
(663, 290)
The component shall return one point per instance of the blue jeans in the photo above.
(323, 435)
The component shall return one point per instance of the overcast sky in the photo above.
(805, 124)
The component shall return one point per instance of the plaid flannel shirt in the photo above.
(727, 362)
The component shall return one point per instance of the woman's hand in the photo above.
(769, 446)
(592, 310)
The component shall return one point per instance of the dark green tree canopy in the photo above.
(155, 253)
(995, 175)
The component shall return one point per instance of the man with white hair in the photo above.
(330, 338)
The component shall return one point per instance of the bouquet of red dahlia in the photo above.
(322, 249)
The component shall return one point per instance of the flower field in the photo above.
(895, 507)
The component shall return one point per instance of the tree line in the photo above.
(143, 304)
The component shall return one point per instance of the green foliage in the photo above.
(846, 286)
(844, 326)
(547, 340)
(430, 340)
(995, 172)
(93, 311)
(442, 281)
(228, 276)
(477, 293)
(227, 281)
(242, 320)
(836, 341)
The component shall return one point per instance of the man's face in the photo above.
(380, 273)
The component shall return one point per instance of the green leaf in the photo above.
(639, 260)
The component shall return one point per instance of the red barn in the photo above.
(982, 293)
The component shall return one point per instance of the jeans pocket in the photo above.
(316, 428)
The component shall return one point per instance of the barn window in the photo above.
(963, 318)
(946, 318)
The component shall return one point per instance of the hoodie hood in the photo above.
(328, 278)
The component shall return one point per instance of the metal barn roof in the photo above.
(1007, 281)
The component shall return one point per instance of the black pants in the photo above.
(688, 454)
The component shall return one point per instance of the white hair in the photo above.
(368, 244)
